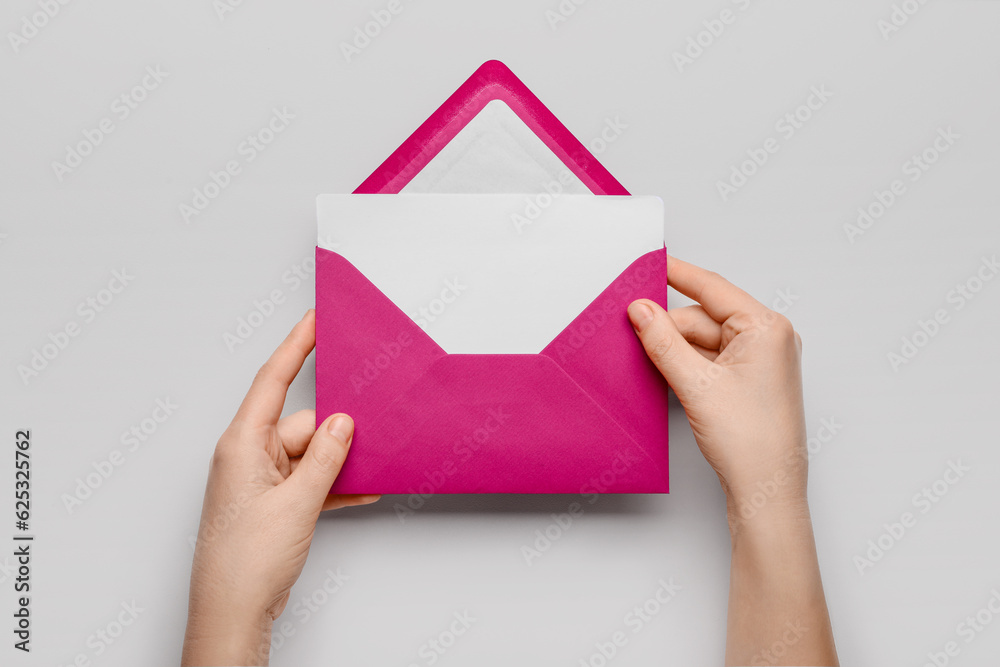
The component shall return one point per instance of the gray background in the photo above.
(163, 335)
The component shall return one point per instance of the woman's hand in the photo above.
(734, 366)
(268, 481)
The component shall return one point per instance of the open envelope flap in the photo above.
(518, 423)
(493, 81)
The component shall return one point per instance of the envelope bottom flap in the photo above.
(498, 423)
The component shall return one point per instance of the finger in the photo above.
(266, 397)
(711, 355)
(697, 326)
(320, 464)
(296, 431)
(337, 501)
(677, 360)
(719, 297)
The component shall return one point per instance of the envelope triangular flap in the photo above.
(492, 81)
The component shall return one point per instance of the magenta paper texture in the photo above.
(587, 414)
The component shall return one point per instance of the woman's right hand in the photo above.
(734, 365)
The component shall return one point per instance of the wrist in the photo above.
(773, 493)
(761, 513)
(227, 635)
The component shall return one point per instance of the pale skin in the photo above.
(734, 366)
(268, 481)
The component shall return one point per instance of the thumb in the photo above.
(680, 363)
(323, 459)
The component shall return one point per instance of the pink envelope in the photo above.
(585, 414)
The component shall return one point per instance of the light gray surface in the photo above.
(784, 231)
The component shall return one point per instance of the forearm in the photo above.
(777, 609)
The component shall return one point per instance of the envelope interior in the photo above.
(491, 273)
(495, 152)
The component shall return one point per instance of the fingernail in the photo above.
(342, 427)
(641, 315)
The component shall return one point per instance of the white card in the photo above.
(491, 273)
